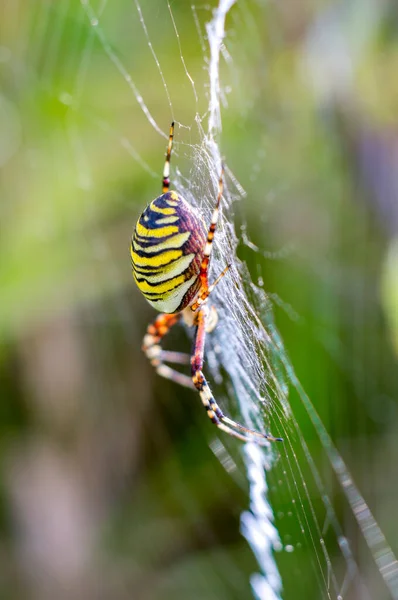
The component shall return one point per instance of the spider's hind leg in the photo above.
(157, 356)
(213, 410)
(205, 288)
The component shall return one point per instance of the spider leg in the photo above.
(205, 289)
(213, 410)
(151, 346)
(180, 358)
(166, 170)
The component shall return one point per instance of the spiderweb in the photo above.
(207, 94)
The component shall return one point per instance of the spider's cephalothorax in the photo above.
(170, 254)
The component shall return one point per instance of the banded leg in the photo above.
(166, 170)
(179, 358)
(213, 410)
(205, 289)
(152, 348)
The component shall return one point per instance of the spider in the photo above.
(170, 253)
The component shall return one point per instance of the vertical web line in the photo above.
(257, 524)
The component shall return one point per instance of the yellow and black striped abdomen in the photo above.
(166, 252)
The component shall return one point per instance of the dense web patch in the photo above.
(246, 351)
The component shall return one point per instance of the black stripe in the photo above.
(144, 254)
(147, 270)
(153, 219)
(141, 277)
(161, 201)
(152, 241)
(160, 268)
(156, 296)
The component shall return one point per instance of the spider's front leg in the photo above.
(213, 410)
(156, 355)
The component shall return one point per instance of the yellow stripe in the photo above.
(158, 233)
(167, 220)
(162, 211)
(155, 261)
(162, 288)
(173, 195)
(177, 267)
(174, 242)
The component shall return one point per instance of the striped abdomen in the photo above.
(166, 253)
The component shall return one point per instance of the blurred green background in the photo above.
(109, 487)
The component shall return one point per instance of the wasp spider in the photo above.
(170, 253)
